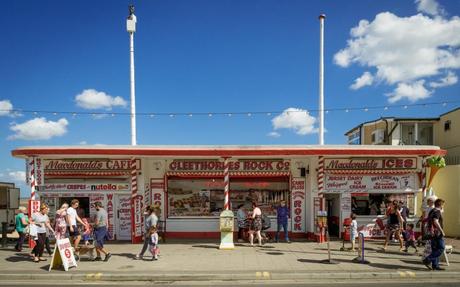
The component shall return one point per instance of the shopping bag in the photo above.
(33, 230)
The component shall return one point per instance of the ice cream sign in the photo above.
(369, 183)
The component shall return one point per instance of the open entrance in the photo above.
(333, 214)
(83, 206)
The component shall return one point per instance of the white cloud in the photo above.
(83, 143)
(92, 99)
(403, 50)
(274, 134)
(17, 176)
(410, 91)
(430, 7)
(449, 80)
(39, 129)
(5, 108)
(296, 119)
(366, 79)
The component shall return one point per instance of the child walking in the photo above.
(410, 237)
(87, 232)
(153, 243)
(353, 231)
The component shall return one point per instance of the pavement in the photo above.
(201, 260)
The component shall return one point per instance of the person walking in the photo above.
(60, 223)
(153, 242)
(256, 225)
(150, 221)
(353, 231)
(410, 237)
(435, 227)
(21, 221)
(241, 219)
(394, 225)
(72, 219)
(100, 232)
(282, 216)
(41, 220)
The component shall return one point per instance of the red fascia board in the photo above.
(226, 152)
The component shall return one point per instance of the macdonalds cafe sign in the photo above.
(89, 165)
(242, 165)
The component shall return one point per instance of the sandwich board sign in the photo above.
(63, 255)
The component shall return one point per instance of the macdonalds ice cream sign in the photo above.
(370, 163)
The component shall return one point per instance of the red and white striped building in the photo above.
(188, 183)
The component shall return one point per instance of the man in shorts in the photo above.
(100, 231)
(72, 218)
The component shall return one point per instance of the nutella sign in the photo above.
(370, 163)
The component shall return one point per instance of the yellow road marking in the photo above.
(266, 275)
(402, 274)
(258, 274)
(411, 274)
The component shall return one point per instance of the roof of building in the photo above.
(223, 151)
(392, 119)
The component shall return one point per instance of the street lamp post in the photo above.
(131, 28)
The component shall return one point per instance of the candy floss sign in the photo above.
(298, 205)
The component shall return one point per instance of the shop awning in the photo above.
(211, 174)
(87, 173)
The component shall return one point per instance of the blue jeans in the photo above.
(437, 248)
(284, 225)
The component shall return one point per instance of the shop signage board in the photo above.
(84, 187)
(89, 165)
(63, 255)
(298, 205)
(110, 210)
(39, 172)
(124, 217)
(369, 183)
(157, 186)
(137, 216)
(370, 163)
(242, 165)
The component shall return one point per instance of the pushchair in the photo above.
(266, 224)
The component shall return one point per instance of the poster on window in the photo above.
(124, 217)
(369, 183)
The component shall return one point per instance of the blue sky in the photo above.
(218, 56)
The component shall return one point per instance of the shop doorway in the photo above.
(333, 214)
(83, 206)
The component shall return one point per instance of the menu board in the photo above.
(124, 217)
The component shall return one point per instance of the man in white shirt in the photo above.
(72, 218)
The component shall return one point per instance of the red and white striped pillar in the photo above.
(226, 184)
(320, 174)
(32, 178)
(136, 206)
(424, 182)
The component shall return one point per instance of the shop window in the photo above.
(446, 125)
(376, 204)
(205, 197)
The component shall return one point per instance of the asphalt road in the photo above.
(245, 283)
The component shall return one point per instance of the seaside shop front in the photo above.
(187, 183)
(365, 187)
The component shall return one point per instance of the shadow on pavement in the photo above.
(208, 246)
(18, 257)
(274, 253)
(127, 255)
(375, 265)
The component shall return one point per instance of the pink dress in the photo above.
(60, 227)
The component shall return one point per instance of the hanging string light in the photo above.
(229, 114)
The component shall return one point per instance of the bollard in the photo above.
(360, 258)
(4, 234)
(329, 260)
